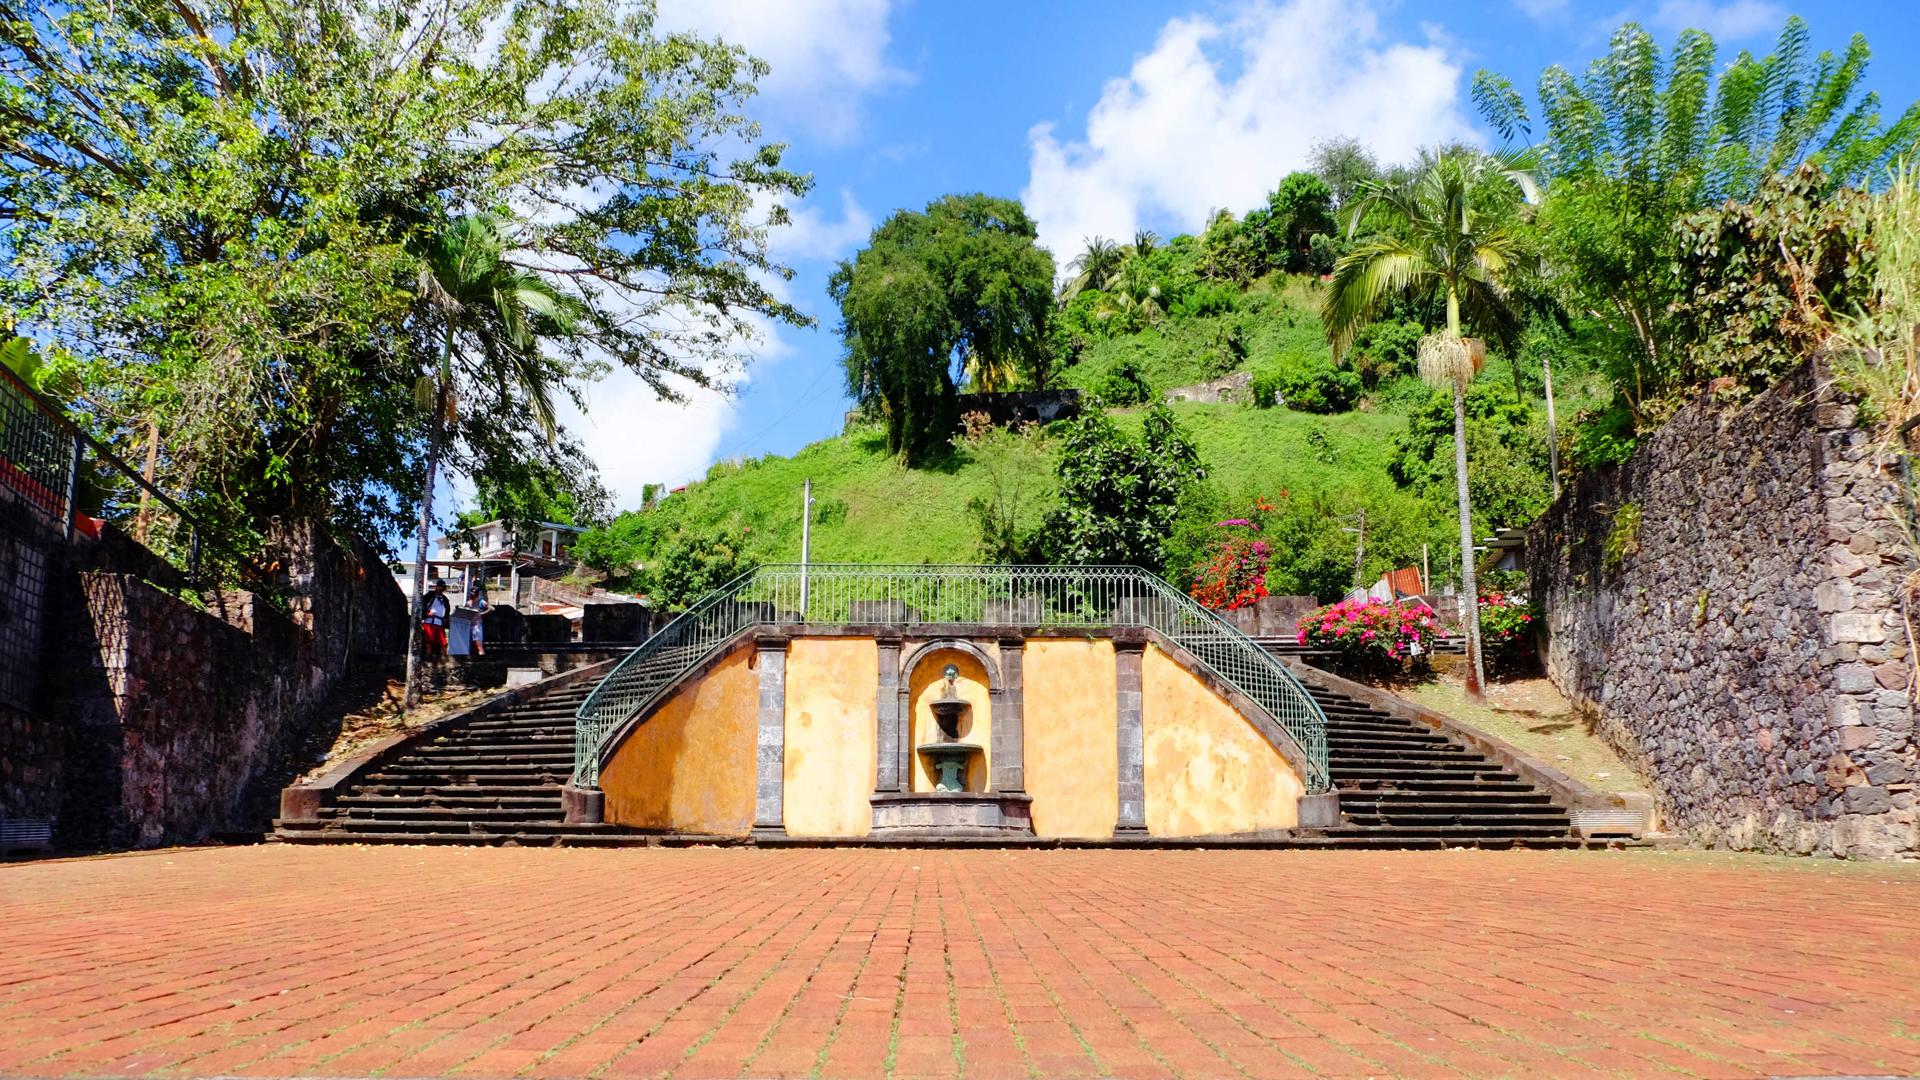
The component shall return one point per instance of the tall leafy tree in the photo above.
(958, 288)
(1449, 232)
(1120, 496)
(1640, 140)
(215, 217)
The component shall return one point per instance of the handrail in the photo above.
(71, 464)
(1029, 596)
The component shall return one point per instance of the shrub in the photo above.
(1322, 252)
(1603, 437)
(1372, 638)
(1125, 384)
(1506, 636)
(1207, 298)
(1307, 387)
(1384, 349)
(1235, 574)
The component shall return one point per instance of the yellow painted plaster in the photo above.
(1071, 757)
(929, 682)
(1208, 770)
(831, 725)
(689, 766)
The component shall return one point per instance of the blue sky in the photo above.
(1105, 117)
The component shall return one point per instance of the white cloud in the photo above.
(823, 55)
(1730, 20)
(1220, 110)
(636, 438)
(811, 236)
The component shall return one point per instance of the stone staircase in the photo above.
(1405, 785)
(492, 779)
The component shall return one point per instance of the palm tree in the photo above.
(1144, 243)
(492, 317)
(1092, 268)
(1447, 235)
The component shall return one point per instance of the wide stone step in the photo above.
(418, 812)
(1514, 799)
(456, 791)
(460, 778)
(517, 800)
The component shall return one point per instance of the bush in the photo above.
(1125, 385)
(1207, 298)
(1235, 573)
(1506, 636)
(1308, 387)
(1385, 349)
(1603, 437)
(1372, 639)
(1322, 252)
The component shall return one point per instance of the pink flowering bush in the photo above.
(1235, 574)
(1506, 635)
(1372, 638)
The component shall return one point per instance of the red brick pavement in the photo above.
(409, 962)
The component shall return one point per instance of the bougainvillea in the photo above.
(1235, 576)
(1372, 637)
(1506, 634)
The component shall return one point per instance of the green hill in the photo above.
(870, 507)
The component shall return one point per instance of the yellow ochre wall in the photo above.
(832, 721)
(1072, 761)
(1208, 770)
(976, 727)
(689, 767)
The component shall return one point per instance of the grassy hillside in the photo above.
(872, 508)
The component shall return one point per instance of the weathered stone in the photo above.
(1857, 627)
(1750, 657)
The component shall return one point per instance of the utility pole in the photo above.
(1426, 581)
(1553, 430)
(1360, 551)
(806, 541)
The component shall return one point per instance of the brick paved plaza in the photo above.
(409, 962)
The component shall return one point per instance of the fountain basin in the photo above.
(949, 761)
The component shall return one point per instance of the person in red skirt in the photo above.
(433, 620)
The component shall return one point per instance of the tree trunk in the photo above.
(411, 698)
(1476, 675)
(1553, 429)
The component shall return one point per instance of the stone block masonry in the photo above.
(162, 721)
(1727, 607)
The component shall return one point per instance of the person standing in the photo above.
(478, 604)
(433, 620)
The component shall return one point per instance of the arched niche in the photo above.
(921, 678)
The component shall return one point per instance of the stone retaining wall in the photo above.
(159, 718)
(1747, 650)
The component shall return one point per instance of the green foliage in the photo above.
(1296, 211)
(1344, 165)
(959, 286)
(1759, 280)
(1306, 385)
(1125, 385)
(1206, 299)
(1507, 473)
(1623, 536)
(1638, 142)
(1603, 436)
(1506, 632)
(1384, 350)
(212, 216)
(1120, 496)
(689, 564)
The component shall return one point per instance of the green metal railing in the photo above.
(1062, 597)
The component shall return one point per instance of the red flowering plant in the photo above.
(1506, 635)
(1235, 575)
(1372, 638)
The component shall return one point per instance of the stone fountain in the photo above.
(949, 758)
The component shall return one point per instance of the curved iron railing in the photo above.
(859, 594)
